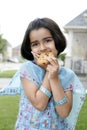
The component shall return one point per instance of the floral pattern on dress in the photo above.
(30, 118)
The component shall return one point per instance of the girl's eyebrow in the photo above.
(47, 37)
(42, 39)
(33, 41)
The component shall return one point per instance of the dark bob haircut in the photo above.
(59, 38)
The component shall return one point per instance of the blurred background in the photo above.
(71, 16)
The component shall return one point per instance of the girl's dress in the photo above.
(30, 118)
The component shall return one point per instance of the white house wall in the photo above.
(79, 45)
(9, 51)
(69, 42)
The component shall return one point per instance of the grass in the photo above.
(7, 73)
(82, 119)
(9, 111)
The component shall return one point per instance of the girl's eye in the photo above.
(48, 39)
(34, 44)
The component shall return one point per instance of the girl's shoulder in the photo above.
(66, 72)
(30, 65)
(26, 63)
(67, 78)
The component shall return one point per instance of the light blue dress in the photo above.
(29, 118)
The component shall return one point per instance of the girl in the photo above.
(46, 92)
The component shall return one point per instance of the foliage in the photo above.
(3, 44)
(62, 57)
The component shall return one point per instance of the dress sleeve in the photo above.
(79, 94)
(28, 72)
(73, 83)
(14, 86)
(70, 81)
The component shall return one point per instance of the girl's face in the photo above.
(42, 41)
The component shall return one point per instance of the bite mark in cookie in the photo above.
(42, 59)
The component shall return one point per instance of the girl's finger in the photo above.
(35, 54)
(52, 60)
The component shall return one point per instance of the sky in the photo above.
(15, 15)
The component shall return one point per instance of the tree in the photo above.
(62, 57)
(3, 44)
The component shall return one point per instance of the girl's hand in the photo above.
(52, 67)
(35, 55)
(40, 59)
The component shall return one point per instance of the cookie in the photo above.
(42, 59)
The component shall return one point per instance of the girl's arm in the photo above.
(63, 100)
(38, 99)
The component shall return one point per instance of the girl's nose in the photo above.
(42, 47)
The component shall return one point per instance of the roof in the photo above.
(78, 22)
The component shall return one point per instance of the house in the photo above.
(77, 35)
(16, 51)
(76, 31)
(9, 50)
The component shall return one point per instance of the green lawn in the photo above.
(9, 110)
(82, 119)
(7, 73)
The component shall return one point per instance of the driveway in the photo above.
(4, 82)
